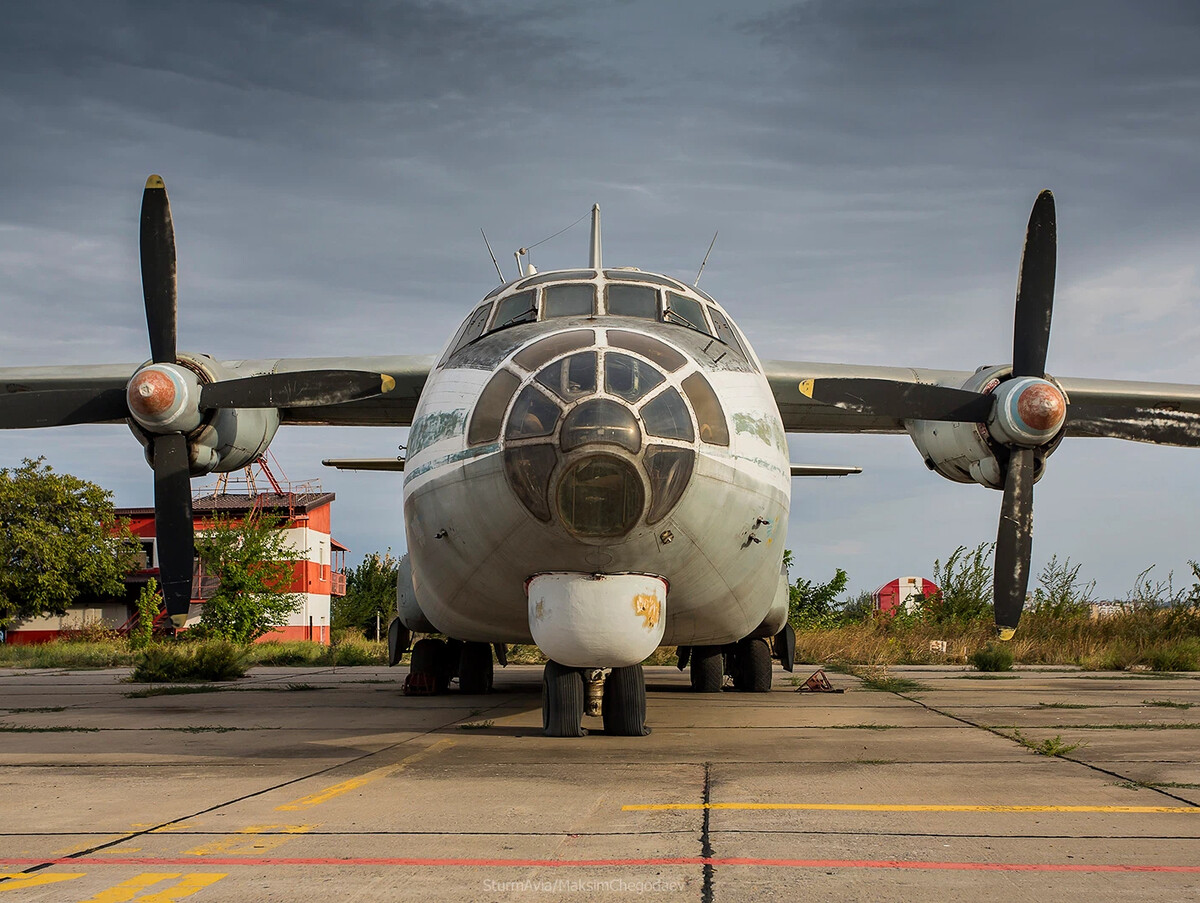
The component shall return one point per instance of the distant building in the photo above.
(317, 576)
(902, 594)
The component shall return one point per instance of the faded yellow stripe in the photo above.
(252, 840)
(131, 889)
(19, 880)
(362, 780)
(884, 807)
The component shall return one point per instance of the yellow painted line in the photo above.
(884, 807)
(322, 796)
(251, 840)
(19, 880)
(132, 888)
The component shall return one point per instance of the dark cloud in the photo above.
(870, 166)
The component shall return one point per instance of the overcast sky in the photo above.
(870, 167)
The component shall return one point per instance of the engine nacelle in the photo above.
(1029, 413)
(219, 441)
(407, 607)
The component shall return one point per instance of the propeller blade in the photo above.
(1035, 291)
(904, 401)
(158, 270)
(61, 407)
(1014, 542)
(1162, 426)
(304, 388)
(173, 523)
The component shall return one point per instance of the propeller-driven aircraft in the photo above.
(597, 462)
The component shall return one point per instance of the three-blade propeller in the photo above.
(169, 449)
(916, 401)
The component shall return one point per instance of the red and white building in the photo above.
(317, 571)
(902, 594)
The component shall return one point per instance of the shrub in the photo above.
(290, 653)
(354, 650)
(209, 660)
(993, 658)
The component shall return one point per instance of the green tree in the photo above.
(253, 565)
(59, 540)
(370, 588)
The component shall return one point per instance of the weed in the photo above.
(172, 691)
(289, 654)
(22, 729)
(992, 658)
(476, 725)
(1052, 746)
(878, 679)
(1168, 703)
(303, 687)
(40, 708)
(1063, 705)
(373, 680)
(862, 727)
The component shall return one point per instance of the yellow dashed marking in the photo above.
(132, 889)
(249, 841)
(322, 796)
(17, 881)
(884, 807)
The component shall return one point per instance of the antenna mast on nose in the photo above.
(595, 250)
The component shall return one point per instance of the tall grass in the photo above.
(1162, 639)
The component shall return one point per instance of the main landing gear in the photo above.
(747, 661)
(618, 696)
(435, 663)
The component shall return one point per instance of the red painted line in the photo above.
(606, 863)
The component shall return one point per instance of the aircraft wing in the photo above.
(1164, 413)
(64, 395)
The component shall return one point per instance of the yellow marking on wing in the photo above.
(886, 807)
(18, 881)
(321, 796)
(1006, 633)
(806, 388)
(250, 840)
(155, 182)
(133, 887)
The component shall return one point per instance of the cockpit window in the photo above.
(572, 377)
(518, 308)
(602, 420)
(559, 276)
(686, 312)
(471, 329)
(725, 332)
(628, 377)
(635, 276)
(568, 300)
(632, 301)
